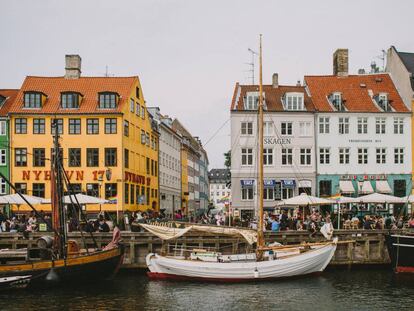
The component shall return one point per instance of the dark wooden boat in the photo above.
(57, 259)
(401, 251)
(14, 282)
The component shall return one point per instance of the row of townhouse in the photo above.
(335, 134)
(112, 146)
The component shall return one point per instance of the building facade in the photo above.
(203, 178)
(108, 140)
(363, 133)
(289, 157)
(220, 189)
(169, 164)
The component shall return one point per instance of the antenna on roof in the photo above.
(253, 53)
(382, 57)
(107, 74)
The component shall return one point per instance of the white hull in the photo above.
(314, 260)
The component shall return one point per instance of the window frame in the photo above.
(75, 126)
(92, 126)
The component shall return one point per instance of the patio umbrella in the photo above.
(381, 198)
(82, 199)
(343, 200)
(16, 199)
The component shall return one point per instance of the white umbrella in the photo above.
(344, 200)
(82, 199)
(381, 198)
(304, 200)
(17, 199)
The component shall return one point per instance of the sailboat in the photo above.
(268, 262)
(57, 259)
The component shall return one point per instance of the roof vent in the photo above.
(363, 85)
(378, 80)
(298, 83)
(361, 71)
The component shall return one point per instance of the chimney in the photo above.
(275, 80)
(298, 83)
(361, 71)
(340, 63)
(72, 66)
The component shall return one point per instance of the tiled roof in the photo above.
(10, 96)
(355, 90)
(273, 96)
(219, 174)
(89, 87)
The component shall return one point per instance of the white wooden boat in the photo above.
(242, 267)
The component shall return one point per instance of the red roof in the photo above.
(89, 87)
(273, 96)
(356, 91)
(10, 96)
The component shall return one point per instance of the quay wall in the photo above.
(363, 247)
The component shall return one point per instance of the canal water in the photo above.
(333, 290)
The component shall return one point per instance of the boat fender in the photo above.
(256, 273)
(52, 276)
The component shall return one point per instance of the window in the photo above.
(398, 155)
(111, 190)
(382, 100)
(92, 126)
(267, 128)
(38, 126)
(294, 101)
(147, 139)
(324, 156)
(324, 125)
(246, 193)
(247, 156)
(343, 125)
(337, 101)
(398, 125)
(362, 125)
(287, 156)
(305, 156)
(58, 123)
(93, 190)
(32, 100)
(143, 137)
(92, 157)
(362, 155)
(3, 128)
(142, 112)
(3, 157)
(247, 128)
(69, 100)
(20, 156)
(131, 105)
(107, 100)
(74, 188)
(110, 126)
(267, 156)
(251, 101)
(132, 196)
(20, 126)
(39, 190)
(110, 156)
(343, 155)
(138, 109)
(287, 193)
(381, 155)
(74, 157)
(126, 194)
(3, 187)
(286, 128)
(126, 158)
(268, 193)
(126, 128)
(147, 166)
(380, 125)
(152, 167)
(74, 126)
(325, 188)
(39, 156)
(305, 129)
(21, 188)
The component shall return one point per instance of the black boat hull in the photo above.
(401, 251)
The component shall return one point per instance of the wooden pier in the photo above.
(366, 247)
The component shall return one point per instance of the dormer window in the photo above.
(108, 100)
(70, 100)
(33, 99)
(251, 101)
(293, 102)
(2, 100)
(383, 102)
(337, 101)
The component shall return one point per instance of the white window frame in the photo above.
(305, 129)
(362, 127)
(344, 125)
(398, 155)
(380, 125)
(294, 101)
(3, 186)
(247, 194)
(246, 128)
(252, 101)
(247, 155)
(344, 154)
(324, 155)
(3, 128)
(3, 157)
(268, 156)
(362, 155)
(398, 125)
(267, 128)
(306, 155)
(381, 155)
(268, 193)
(287, 156)
(324, 125)
(286, 128)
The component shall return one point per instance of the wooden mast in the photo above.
(260, 235)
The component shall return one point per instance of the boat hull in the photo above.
(309, 262)
(401, 251)
(95, 266)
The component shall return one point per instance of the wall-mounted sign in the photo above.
(288, 183)
(247, 182)
(269, 182)
(277, 141)
(365, 140)
(364, 177)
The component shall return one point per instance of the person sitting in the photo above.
(275, 224)
(103, 226)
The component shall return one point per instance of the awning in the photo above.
(383, 186)
(305, 184)
(366, 187)
(269, 183)
(346, 186)
(288, 183)
(247, 182)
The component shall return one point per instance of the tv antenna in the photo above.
(107, 74)
(382, 57)
(251, 64)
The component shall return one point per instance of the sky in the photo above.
(190, 54)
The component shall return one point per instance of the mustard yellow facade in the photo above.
(184, 179)
(120, 164)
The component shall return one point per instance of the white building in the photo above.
(363, 139)
(289, 144)
(220, 190)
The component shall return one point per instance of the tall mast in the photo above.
(260, 235)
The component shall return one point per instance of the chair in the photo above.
(347, 224)
(355, 224)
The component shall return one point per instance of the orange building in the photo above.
(108, 140)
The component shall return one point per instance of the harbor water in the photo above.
(357, 289)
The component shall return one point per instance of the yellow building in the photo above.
(109, 145)
(184, 178)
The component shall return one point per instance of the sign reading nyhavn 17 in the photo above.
(277, 141)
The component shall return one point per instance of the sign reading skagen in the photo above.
(277, 141)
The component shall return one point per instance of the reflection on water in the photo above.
(333, 290)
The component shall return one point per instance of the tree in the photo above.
(227, 159)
